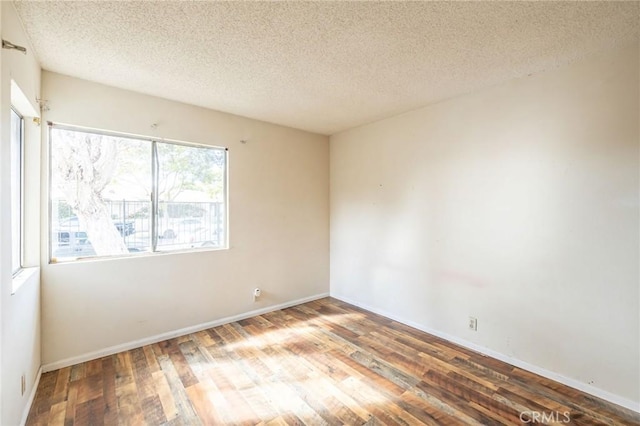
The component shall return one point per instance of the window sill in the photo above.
(23, 276)
(70, 260)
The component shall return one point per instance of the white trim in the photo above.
(592, 390)
(32, 397)
(23, 276)
(175, 333)
(21, 102)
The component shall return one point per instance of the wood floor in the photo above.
(324, 362)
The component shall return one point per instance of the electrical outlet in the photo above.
(256, 293)
(23, 385)
(473, 324)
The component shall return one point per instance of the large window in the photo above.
(17, 148)
(113, 195)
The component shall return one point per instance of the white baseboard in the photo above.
(592, 390)
(171, 334)
(32, 397)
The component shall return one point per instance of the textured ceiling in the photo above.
(317, 66)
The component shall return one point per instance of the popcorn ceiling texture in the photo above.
(318, 66)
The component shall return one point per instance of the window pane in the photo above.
(16, 191)
(100, 194)
(191, 197)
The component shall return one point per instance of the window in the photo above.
(17, 143)
(116, 195)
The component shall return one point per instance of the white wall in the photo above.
(517, 205)
(279, 228)
(20, 312)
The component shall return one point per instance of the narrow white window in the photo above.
(17, 149)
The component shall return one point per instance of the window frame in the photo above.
(153, 249)
(20, 189)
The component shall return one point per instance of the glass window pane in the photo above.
(16, 191)
(100, 194)
(191, 197)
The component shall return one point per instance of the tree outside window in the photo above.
(113, 195)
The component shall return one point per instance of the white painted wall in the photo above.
(518, 205)
(279, 228)
(19, 312)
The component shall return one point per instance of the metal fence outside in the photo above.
(181, 225)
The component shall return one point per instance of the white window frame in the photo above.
(17, 252)
(153, 249)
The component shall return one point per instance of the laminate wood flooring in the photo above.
(320, 363)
